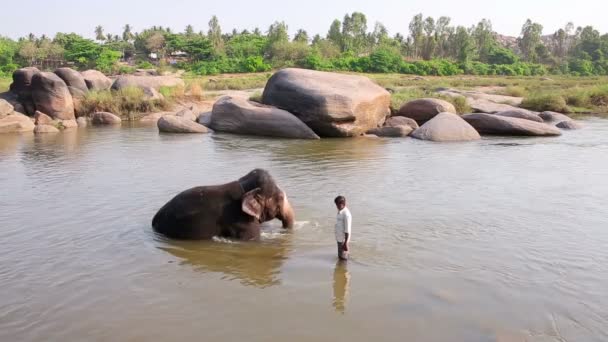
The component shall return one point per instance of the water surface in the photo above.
(505, 239)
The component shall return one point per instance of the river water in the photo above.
(505, 239)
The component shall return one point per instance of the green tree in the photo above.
(483, 35)
(215, 35)
(417, 34)
(127, 33)
(463, 46)
(430, 43)
(189, 31)
(529, 40)
(99, 35)
(335, 33)
(354, 32)
(278, 33)
(301, 36)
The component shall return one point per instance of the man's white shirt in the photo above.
(343, 224)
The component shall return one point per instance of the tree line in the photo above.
(432, 47)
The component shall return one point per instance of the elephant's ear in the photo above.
(251, 203)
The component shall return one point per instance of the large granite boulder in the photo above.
(331, 104)
(155, 82)
(501, 125)
(42, 119)
(446, 127)
(96, 80)
(521, 114)
(239, 116)
(22, 88)
(175, 124)
(16, 123)
(13, 100)
(45, 129)
(154, 117)
(554, 117)
(5, 108)
(569, 125)
(82, 121)
(52, 96)
(22, 80)
(105, 118)
(423, 110)
(395, 127)
(72, 78)
(186, 113)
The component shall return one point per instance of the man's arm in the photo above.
(347, 227)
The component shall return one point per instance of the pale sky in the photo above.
(81, 16)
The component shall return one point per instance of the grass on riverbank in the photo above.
(127, 102)
(5, 82)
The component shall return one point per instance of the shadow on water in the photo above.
(341, 286)
(255, 264)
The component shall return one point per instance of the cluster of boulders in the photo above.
(296, 103)
(53, 100)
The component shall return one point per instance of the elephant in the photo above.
(233, 210)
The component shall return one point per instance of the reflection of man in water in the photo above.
(341, 284)
(343, 227)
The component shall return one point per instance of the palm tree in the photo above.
(99, 33)
(127, 33)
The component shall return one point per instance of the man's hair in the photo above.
(340, 200)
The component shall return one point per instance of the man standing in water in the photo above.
(343, 227)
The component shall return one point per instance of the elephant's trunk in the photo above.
(288, 216)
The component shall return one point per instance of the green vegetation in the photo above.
(128, 101)
(405, 95)
(432, 47)
(546, 102)
(5, 83)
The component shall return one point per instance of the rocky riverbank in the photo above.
(296, 103)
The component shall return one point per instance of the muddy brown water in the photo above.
(505, 239)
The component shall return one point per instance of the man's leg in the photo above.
(342, 254)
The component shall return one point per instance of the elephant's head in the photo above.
(264, 199)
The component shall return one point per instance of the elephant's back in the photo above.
(194, 213)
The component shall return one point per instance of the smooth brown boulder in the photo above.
(186, 113)
(570, 125)
(155, 82)
(52, 97)
(501, 125)
(67, 124)
(42, 119)
(72, 78)
(240, 116)
(45, 129)
(82, 122)
(521, 114)
(174, 124)
(397, 121)
(331, 104)
(5, 108)
(395, 127)
(152, 94)
(204, 119)
(22, 88)
(11, 99)
(22, 81)
(554, 117)
(96, 80)
(154, 117)
(391, 131)
(16, 123)
(423, 110)
(105, 118)
(445, 127)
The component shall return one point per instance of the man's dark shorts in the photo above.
(342, 254)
